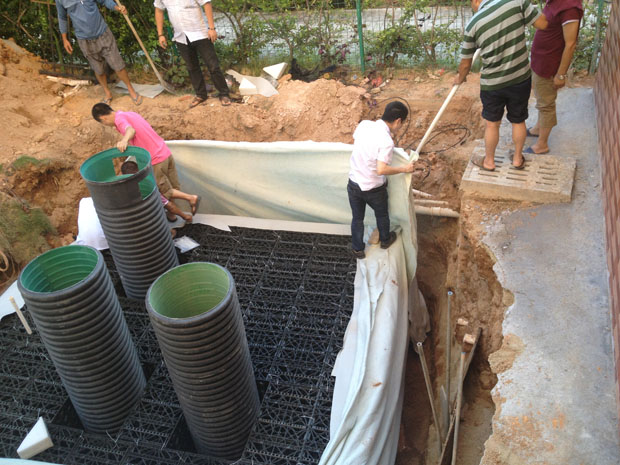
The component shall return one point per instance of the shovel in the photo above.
(415, 154)
(167, 86)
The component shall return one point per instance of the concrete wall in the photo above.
(607, 96)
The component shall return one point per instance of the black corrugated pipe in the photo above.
(195, 312)
(132, 218)
(71, 298)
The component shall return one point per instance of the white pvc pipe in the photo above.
(436, 211)
(420, 193)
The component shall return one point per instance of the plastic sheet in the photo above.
(306, 181)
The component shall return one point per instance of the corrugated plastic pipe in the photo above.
(196, 316)
(71, 298)
(132, 218)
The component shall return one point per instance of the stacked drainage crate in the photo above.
(132, 218)
(71, 298)
(197, 319)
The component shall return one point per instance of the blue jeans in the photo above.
(377, 198)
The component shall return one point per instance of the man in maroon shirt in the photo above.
(552, 52)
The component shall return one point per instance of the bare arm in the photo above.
(159, 22)
(463, 71)
(209, 12)
(122, 144)
(541, 22)
(570, 32)
(385, 169)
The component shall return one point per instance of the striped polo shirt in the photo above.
(498, 28)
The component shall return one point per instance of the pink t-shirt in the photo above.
(145, 137)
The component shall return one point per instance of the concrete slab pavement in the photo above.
(556, 404)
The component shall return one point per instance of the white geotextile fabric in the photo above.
(306, 181)
(294, 181)
(369, 371)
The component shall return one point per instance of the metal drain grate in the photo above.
(545, 178)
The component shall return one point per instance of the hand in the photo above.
(408, 168)
(212, 35)
(163, 43)
(68, 46)
(458, 81)
(122, 146)
(558, 83)
(121, 9)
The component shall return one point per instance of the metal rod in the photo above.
(448, 345)
(429, 389)
(459, 400)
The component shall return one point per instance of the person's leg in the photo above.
(546, 95)
(170, 170)
(172, 210)
(103, 82)
(188, 53)
(493, 103)
(519, 133)
(378, 200)
(124, 76)
(517, 112)
(91, 51)
(491, 139)
(207, 51)
(358, 211)
(109, 50)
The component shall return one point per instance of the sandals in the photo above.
(529, 134)
(138, 100)
(196, 205)
(521, 166)
(479, 162)
(106, 100)
(225, 100)
(530, 150)
(197, 101)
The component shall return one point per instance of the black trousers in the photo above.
(206, 50)
(377, 198)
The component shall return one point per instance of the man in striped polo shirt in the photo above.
(498, 29)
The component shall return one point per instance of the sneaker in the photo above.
(390, 241)
(359, 254)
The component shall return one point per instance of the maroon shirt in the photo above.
(548, 44)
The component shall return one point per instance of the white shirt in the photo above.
(373, 142)
(187, 19)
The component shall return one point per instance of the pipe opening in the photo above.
(189, 290)
(59, 269)
(100, 168)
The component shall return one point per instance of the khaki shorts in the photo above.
(166, 176)
(545, 94)
(101, 49)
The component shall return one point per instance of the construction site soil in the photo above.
(45, 138)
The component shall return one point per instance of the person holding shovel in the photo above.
(193, 37)
(498, 29)
(95, 40)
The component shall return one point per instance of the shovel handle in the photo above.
(135, 33)
(431, 128)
